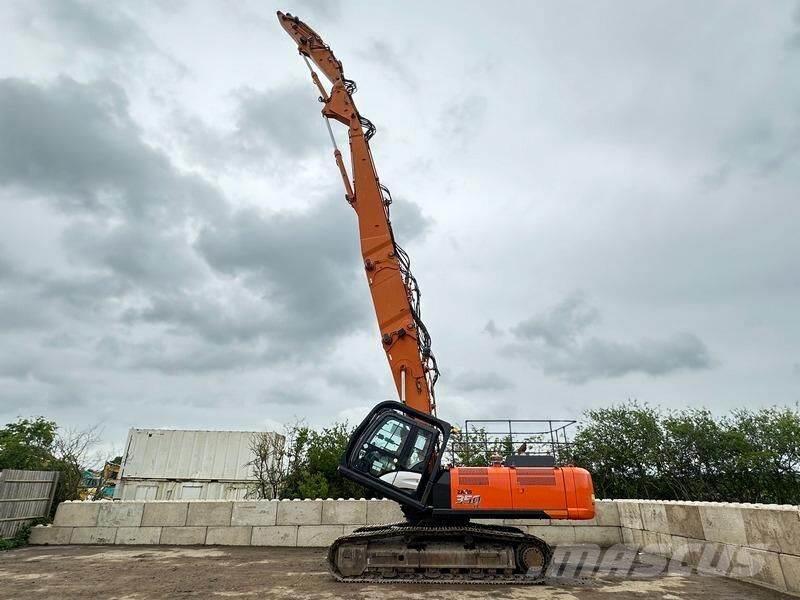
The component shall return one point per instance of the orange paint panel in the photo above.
(480, 488)
(560, 492)
(539, 488)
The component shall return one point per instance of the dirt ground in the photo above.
(139, 573)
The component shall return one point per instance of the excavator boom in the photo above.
(395, 294)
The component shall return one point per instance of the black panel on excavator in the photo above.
(530, 460)
(440, 496)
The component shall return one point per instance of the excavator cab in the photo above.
(397, 452)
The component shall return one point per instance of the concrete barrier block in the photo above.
(228, 536)
(765, 567)
(120, 514)
(383, 511)
(791, 572)
(261, 512)
(138, 535)
(50, 535)
(93, 535)
(606, 514)
(684, 520)
(637, 535)
(518, 522)
(627, 535)
(279, 535)
(344, 512)
(166, 514)
(657, 543)
(777, 530)
(348, 529)
(709, 558)
(77, 514)
(207, 514)
(654, 517)
(183, 536)
(686, 550)
(723, 524)
(630, 515)
(554, 536)
(493, 521)
(574, 522)
(600, 536)
(303, 512)
(318, 536)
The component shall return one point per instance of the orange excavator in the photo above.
(397, 450)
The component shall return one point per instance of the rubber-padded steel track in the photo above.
(460, 536)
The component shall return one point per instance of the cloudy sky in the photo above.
(600, 201)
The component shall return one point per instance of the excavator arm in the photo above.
(395, 294)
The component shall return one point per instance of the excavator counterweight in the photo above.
(397, 450)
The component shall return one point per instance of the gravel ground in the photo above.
(146, 572)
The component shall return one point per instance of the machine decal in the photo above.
(467, 497)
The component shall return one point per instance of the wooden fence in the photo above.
(24, 496)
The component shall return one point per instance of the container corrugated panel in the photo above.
(150, 489)
(189, 455)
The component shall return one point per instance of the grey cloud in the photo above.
(794, 39)
(761, 145)
(351, 381)
(100, 26)
(408, 222)
(463, 116)
(274, 126)
(560, 326)
(492, 330)
(80, 296)
(135, 253)
(217, 320)
(476, 381)
(323, 10)
(306, 265)
(174, 355)
(597, 358)
(385, 56)
(287, 395)
(206, 359)
(557, 342)
(278, 120)
(76, 144)
(98, 32)
(17, 312)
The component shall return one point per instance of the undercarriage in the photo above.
(435, 552)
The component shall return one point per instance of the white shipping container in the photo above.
(149, 489)
(188, 455)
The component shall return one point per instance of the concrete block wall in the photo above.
(752, 542)
(756, 543)
(309, 523)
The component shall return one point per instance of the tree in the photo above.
(268, 464)
(40, 445)
(27, 444)
(634, 451)
(475, 448)
(71, 449)
(312, 463)
(620, 447)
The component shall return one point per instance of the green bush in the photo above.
(22, 536)
(636, 451)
